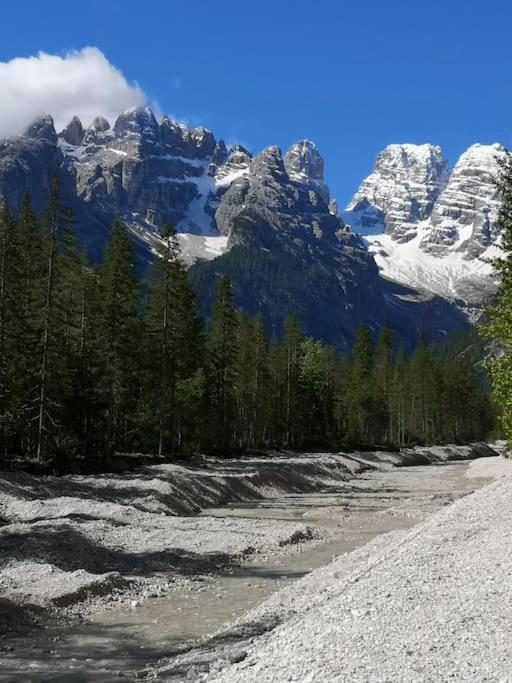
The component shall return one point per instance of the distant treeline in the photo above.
(90, 365)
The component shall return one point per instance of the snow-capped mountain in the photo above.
(267, 221)
(429, 228)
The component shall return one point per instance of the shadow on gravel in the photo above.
(65, 547)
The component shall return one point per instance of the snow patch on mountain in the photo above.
(451, 276)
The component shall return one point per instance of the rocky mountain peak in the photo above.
(73, 133)
(220, 153)
(204, 142)
(303, 160)
(304, 164)
(405, 183)
(236, 165)
(269, 164)
(100, 124)
(465, 214)
(42, 128)
(138, 120)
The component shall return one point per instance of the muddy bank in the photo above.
(69, 545)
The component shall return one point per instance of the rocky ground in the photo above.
(70, 544)
(431, 603)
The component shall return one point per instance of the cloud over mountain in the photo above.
(82, 82)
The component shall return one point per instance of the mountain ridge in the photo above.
(270, 210)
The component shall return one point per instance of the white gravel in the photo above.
(428, 604)
(489, 467)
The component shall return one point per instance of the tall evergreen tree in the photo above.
(292, 343)
(9, 322)
(359, 397)
(56, 220)
(174, 344)
(425, 390)
(118, 335)
(252, 383)
(381, 380)
(398, 399)
(222, 367)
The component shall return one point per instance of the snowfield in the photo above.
(452, 276)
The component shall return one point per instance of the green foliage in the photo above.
(174, 350)
(223, 346)
(499, 325)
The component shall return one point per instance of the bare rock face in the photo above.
(465, 214)
(401, 191)
(304, 165)
(73, 133)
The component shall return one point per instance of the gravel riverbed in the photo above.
(73, 547)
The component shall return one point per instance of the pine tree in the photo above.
(9, 324)
(381, 380)
(359, 397)
(425, 392)
(222, 368)
(118, 337)
(252, 384)
(292, 343)
(398, 399)
(56, 220)
(174, 345)
(314, 389)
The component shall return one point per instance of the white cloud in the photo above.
(82, 83)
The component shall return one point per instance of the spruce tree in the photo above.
(222, 368)
(381, 380)
(292, 343)
(398, 388)
(118, 337)
(174, 346)
(56, 220)
(359, 397)
(9, 324)
(252, 383)
(314, 388)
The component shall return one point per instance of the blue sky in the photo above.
(352, 76)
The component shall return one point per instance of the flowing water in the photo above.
(122, 640)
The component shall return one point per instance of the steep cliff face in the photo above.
(445, 245)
